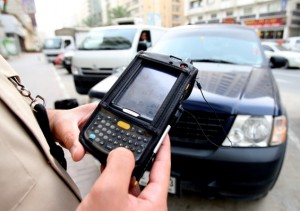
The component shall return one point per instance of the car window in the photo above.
(146, 38)
(54, 43)
(109, 39)
(267, 48)
(240, 47)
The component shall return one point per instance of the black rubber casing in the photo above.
(186, 74)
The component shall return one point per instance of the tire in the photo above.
(286, 66)
(69, 70)
(67, 67)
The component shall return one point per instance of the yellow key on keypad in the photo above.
(123, 125)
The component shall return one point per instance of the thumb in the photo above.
(118, 170)
(111, 190)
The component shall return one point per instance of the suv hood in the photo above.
(229, 89)
(233, 89)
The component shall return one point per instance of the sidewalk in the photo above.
(40, 77)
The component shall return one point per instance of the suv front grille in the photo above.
(210, 128)
(97, 71)
(52, 55)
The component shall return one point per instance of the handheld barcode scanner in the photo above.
(136, 113)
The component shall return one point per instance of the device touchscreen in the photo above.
(147, 92)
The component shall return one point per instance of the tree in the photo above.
(92, 21)
(119, 12)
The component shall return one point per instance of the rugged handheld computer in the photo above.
(137, 111)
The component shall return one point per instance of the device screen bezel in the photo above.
(143, 67)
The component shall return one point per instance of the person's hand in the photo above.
(66, 125)
(113, 189)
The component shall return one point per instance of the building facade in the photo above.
(94, 11)
(273, 19)
(19, 27)
(167, 13)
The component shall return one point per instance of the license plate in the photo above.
(172, 186)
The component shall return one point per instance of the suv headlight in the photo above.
(249, 131)
(257, 131)
(75, 70)
(68, 58)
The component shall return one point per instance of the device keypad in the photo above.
(108, 132)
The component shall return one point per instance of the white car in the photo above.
(274, 49)
(109, 47)
(292, 43)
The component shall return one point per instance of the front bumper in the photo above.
(228, 172)
(51, 58)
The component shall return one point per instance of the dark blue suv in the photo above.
(231, 138)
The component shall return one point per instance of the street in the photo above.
(53, 84)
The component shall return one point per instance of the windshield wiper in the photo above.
(213, 61)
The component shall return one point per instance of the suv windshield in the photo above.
(108, 39)
(213, 45)
(54, 43)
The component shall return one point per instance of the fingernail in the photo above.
(136, 183)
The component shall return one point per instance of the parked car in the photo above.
(106, 48)
(64, 60)
(292, 43)
(231, 138)
(67, 60)
(57, 45)
(275, 49)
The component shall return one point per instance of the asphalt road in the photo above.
(55, 84)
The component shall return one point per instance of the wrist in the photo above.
(51, 114)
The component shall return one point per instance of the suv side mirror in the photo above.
(278, 62)
(142, 46)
